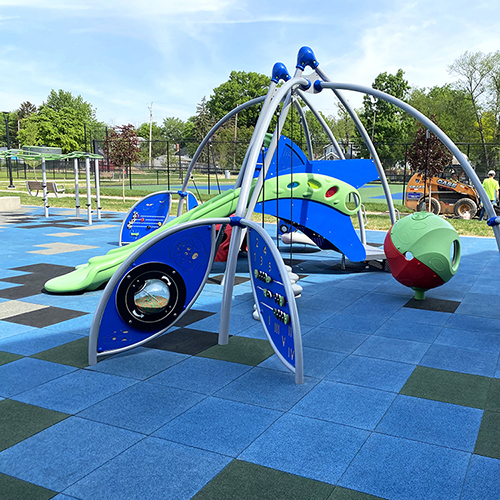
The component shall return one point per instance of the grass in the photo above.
(111, 200)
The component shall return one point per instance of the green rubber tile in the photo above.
(12, 488)
(74, 353)
(493, 401)
(7, 357)
(246, 481)
(19, 421)
(340, 493)
(488, 438)
(242, 350)
(448, 387)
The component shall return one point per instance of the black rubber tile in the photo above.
(184, 341)
(192, 316)
(488, 438)
(242, 350)
(33, 283)
(19, 421)
(12, 488)
(217, 280)
(293, 262)
(45, 317)
(340, 493)
(448, 387)
(7, 357)
(245, 481)
(493, 401)
(430, 304)
(74, 353)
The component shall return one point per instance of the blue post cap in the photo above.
(306, 57)
(280, 73)
(317, 86)
(493, 221)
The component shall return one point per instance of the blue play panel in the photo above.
(399, 402)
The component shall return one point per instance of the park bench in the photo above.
(37, 186)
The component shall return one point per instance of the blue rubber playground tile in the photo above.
(8, 329)
(267, 388)
(371, 372)
(198, 374)
(421, 317)
(78, 326)
(35, 341)
(331, 339)
(153, 468)
(473, 323)
(64, 453)
(74, 392)
(350, 323)
(233, 426)
(140, 363)
(396, 468)
(483, 479)
(432, 422)
(27, 373)
(460, 360)
(476, 304)
(465, 339)
(399, 329)
(405, 351)
(375, 304)
(345, 404)
(307, 447)
(317, 362)
(144, 407)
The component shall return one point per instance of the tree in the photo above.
(428, 154)
(59, 122)
(122, 149)
(26, 109)
(452, 109)
(240, 88)
(343, 128)
(122, 146)
(158, 145)
(386, 124)
(477, 78)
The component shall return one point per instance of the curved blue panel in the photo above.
(192, 202)
(333, 225)
(273, 302)
(145, 216)
(154, 288)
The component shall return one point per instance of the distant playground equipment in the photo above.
(43, 154)
(155, 280)
(449, 194)
(423, 251)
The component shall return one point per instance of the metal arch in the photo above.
(436, 131)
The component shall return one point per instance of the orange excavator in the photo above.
(451, 194)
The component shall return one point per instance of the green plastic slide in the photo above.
(99, 269)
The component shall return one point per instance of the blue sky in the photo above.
(121, 55)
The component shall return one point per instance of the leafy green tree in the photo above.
(477, 78)
(386, 124)
(25, 109)
(158, 144)
(452, 109)
(59, 122)
(241, 87)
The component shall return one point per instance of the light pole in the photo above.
(9, 164)
(373, 101)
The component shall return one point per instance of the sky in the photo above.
(123, 55)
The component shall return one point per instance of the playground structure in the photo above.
(43, 154)
(155, 280)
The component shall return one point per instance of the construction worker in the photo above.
(490, 185)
